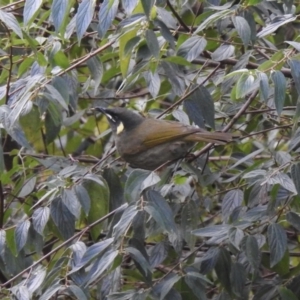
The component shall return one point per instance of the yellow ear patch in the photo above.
(120, 128)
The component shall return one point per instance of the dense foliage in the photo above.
(76, 222)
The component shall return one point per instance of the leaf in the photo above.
(294, 219)
(127, 217)
(165, 32)
(286, 294)
(223, 268)
(28, 187)
(238, 279)
(98, 192)
(280, 89)
(295, 141)
(296, 45)
(231, 200)
(36, 279)
(276, 23)
(213, 18)
(91, 253)
(71, 202)
(131, 44)
(200, 107)
(152, 43)
(129, 5)
(284, 180)
(295, 173)
(11, 22)
(212, 230)
(209, 260)
(243, 29)
(223, 52)
(21, 234)
(192, 48)
(235, 236)
(96, 68)
(196, 284)
(100, 266)
(252, 252)
(52, 126)
(157, 254)
(83, 197)
(2, 241)
(50, 291)
(77, 292)
(264, 85)
(153, 83)
(139, 259)
(58, 12)
(30, 8)
(147, 6)
(84, 17)
(160, 211)
(277, 241)
(295, 70)
(245, 85)
(62, 217)
(107, 14)
(172, 72)
(133, 186)
(56, 96)
(168, 284)
(40, 218)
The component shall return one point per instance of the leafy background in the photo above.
(78, 223)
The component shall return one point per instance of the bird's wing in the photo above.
(161, 132)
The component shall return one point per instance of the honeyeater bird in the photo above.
(148, 143)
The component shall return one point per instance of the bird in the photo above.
(148, 143)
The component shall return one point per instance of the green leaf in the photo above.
(126, 219)
(192, 48)
(295, 69)
(238, 279)
(11, 22)
(294, 219)
(243, 29)
(133, 185)
(223, 269)
(223, 52)
(21, 234)
(152, 43)
(280, 89)
(62, 217)
(160, 211)
(295, 172)
(147, 6)
(168, 285)
(253, 253)
(231, 200)
(28, 187)
(96, 68)
(200, 107)
(40, 218)
(30, 9)
(235, 236)
(58, 12)
(277, 241)
(98, 192)
(287, 294)
(107, 14)
(84, 17)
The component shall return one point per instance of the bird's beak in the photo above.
(99, 108)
